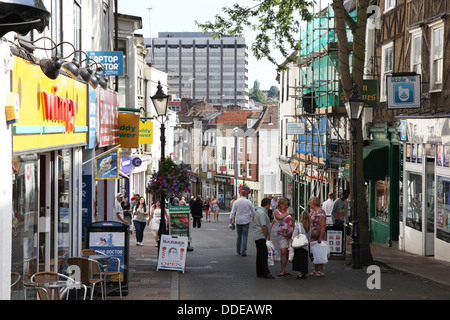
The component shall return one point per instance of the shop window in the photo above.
(443, 209)
(414, 201)
(24, 258)
(64, 207)
(382, 212)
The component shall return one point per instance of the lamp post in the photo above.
(160, 101)
(354, 106)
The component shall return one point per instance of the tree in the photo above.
(282, 19)
(257, 95)
(256, 84)
(274, 92)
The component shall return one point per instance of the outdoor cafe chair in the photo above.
(86, 273)
(108, 273)
(47, 276)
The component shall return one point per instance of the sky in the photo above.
(180, 15)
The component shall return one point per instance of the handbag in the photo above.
(300, 241)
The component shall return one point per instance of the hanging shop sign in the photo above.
(107, 165)
(52, 113)
(403, 92)
(369, 94)
(145, 132)
(108, 118)
(111, 60)
(129, 131)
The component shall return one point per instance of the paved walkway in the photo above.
(145, 283)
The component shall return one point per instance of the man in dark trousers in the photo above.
(261, 234)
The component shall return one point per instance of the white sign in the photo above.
(403, 92)
(172, 253)
(296, 128)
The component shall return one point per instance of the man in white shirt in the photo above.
(327, 206)
(118, 211)
(241, 214)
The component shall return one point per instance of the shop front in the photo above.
(382, 172)
(224, 189)
(47, 169)
(425, 223)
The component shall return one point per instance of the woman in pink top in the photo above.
(284, 227)
(318, 219)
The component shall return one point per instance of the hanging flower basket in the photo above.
(245, 188)
(171, 178)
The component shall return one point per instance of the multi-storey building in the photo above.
(202, 67)
(411, 48)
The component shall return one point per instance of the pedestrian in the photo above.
(176, 201)
(232, 201)
(215, 208)
(318, 229)
(284, 227)
(301, 255)
(241, 215)
(182, 202)
(274, 204)
(327, 206)
(261, 234)
(206, 207)
(197, 212)
(118, 211)
(140, 220)
(155, 219)
(127, 209)
(339, 213)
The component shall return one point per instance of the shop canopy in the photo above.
(22, 16)
(376, 162)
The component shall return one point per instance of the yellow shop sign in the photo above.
(52, 113)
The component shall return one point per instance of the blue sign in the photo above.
(111, 60)
(403, 135)
(403, 91)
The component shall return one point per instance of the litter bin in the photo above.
(113, 240)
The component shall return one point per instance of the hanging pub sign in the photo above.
(403, 92)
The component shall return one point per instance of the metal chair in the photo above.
(53, 276)
(86, 273)
(110, 273)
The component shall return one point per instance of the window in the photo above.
(249, 169)
(241, 145)
(389, 5)
(414, 201)
(387, 62)
(241, 168)
(437, 55)
(77, 23)
(57, 23)
(416, 51)
(249, 145)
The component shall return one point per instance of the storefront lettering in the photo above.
(59, 109)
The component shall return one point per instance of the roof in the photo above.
(232, 117)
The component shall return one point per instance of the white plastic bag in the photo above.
(320, 251)
(272, 255)
(291, 254)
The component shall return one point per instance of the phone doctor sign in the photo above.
(403, 92)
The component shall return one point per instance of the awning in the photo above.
(376, 162)
(22, 16)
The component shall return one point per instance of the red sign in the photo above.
(108, 107)
(59, 109)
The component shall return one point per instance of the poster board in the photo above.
(179, 221)
(172, 253)
(336, 239)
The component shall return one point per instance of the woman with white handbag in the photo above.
(300, 241)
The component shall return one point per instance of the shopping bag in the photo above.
(272, 253)
(321, 252)
(291, 254)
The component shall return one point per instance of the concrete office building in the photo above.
(202, 67)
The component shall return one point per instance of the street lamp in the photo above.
(354, 106)
(161, 101)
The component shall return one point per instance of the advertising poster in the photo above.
(107, 165)
(129, 131)
(179, 221)
(172, 253)
(335, 241)
(111, 244)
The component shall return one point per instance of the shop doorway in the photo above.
(429, 207)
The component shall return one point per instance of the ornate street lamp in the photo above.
(354, 107)
(161, 101)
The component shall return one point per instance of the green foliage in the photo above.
(257, 95)
(275, 21)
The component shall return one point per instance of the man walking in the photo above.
(241, 215)
(261, 233)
